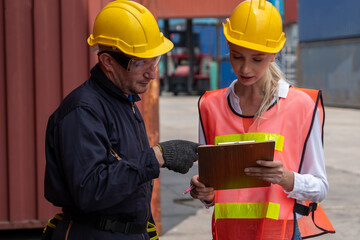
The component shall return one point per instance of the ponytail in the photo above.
(270, 88)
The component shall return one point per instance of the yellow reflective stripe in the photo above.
(151, 227)
(49, 224)
(258, 137)
(247, 210)
(58, 216)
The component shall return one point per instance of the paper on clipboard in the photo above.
(222, 166)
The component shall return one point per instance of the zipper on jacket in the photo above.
(114, 154)
(147, 204)
(137, 125)
(142, 148)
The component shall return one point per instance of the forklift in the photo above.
(187, 70)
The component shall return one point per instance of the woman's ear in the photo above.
(273, 57)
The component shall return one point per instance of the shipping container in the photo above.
(322, 20)
(291, 11)
(208, 32)
(44, 56)
(193, 9)
(334, 67)
(210, 36)
(279, 4)
(207, 36)
(227, 75)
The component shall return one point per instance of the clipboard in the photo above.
(222, 166)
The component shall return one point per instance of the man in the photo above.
(99, 165)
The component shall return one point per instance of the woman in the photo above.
(260, 105)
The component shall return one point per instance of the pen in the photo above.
(188, 190)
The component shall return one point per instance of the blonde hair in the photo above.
(270, 88)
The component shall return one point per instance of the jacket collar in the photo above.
(104, 82)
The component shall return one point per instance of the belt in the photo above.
(106, 224)
(123, 227)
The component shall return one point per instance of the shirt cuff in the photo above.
(296, 187)
(207, 204)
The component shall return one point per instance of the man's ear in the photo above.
(107, 61)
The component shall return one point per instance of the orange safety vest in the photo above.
(265, 212)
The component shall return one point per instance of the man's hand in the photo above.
(179, 155)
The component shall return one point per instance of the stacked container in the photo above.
(329, 50)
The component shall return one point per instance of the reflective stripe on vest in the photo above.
(247, 210)
(257, 136)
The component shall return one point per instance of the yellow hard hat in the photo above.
(256, 25)
(131, 28)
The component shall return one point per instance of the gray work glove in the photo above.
(179, 155)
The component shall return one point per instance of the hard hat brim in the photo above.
(256, 47)
(163, 48)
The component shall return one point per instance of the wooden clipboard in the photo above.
(222, 166)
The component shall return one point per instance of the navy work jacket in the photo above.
(81, 170)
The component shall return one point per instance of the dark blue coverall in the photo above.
(83, 175)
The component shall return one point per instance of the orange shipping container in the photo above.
(44, 55)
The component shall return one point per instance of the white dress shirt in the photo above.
(311, 183)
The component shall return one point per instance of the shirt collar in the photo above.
(235, 101)
(283, 89)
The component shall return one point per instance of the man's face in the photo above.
(137, 79)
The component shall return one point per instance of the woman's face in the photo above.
(249, 65)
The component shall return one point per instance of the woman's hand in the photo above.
(273, 172)
(200, 191)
